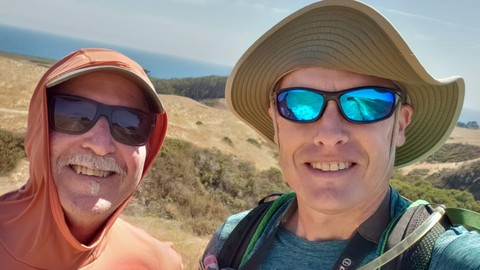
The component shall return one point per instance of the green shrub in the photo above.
(254, 142)
(11, 151)
(228, 140)
(414, 189)
(201, 187)
(209, 102)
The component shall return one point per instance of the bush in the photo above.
(417, 188)
(201, 187)
(227, 140)
(11, 151)
(254, 142)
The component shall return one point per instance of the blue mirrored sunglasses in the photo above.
(361, 105)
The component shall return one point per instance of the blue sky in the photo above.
(444, 34)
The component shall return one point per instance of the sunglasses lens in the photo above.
(130, 126)
(72, 115)
(367, 105)
(300, 105)
(76, 115)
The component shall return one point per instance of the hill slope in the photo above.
(189, 120)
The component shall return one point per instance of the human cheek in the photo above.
(59, 144)
(377, 143)
(135, 158)
(291, 138)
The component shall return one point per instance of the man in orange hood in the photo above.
(95, 126)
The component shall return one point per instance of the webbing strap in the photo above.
(263, 223)
(357, 248)
(230, 255)
(464, 217)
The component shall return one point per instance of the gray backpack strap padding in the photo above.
(232, 251)
(419, 255)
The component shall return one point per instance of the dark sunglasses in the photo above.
(361, 105)
(77, 115)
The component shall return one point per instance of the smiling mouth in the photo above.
(331, 166)
(90, 172)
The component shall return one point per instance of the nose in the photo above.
(98, 139)
(331, 128)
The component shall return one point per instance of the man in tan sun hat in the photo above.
(345, 100)
(95, 126)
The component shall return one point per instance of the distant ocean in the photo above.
(42, 44)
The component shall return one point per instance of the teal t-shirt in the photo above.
(292, 252)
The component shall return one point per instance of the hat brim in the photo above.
(346, 35)
(146, 86)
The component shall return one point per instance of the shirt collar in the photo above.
(371, 229)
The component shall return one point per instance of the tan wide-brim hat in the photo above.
(345, 35)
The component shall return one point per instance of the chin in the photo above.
(102, 206)
(88, 207)
(332, 201)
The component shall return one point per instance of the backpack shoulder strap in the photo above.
(232, 252)
(464, 217)
(405, 233)
(418, 256)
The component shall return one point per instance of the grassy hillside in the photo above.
(200, 187)
(466, 177)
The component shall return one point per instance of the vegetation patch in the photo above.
(466, 177)
(11, 151)
(415, 187)
(227, 140)
(201, 187)
(254, 142)
(211, 102)
(454, 152)
(201, 88)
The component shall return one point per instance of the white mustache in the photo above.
(92, 161)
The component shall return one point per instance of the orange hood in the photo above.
(33, 230)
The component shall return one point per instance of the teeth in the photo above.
(88, 171)
(331, 166)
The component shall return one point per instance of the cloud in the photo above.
(431, 19)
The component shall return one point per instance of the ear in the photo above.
(272, 114)
(404, 119)
(270, 111)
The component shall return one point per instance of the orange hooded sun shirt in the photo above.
(33, 230)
